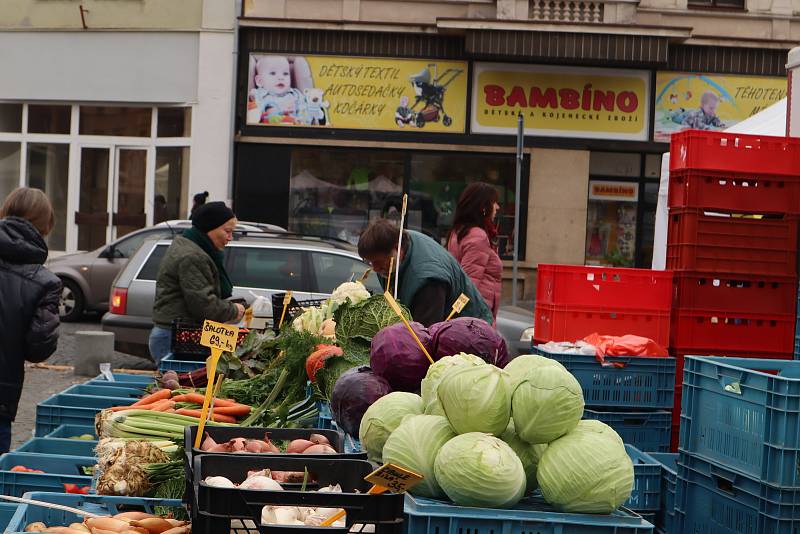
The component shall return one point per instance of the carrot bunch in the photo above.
(189, 404)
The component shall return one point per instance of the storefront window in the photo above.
(438, 179)
(172, 180)
(49, 119)
(133, 122)
(334, 193)
(174, 122)
(9, 168)
(611, 223)
(11, 118)
(48, 168)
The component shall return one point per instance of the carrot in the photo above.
(162, 405)
(197, 398)
(219, 418)
(241, 409)
(161, 394)
(122, 408)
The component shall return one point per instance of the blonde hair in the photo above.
(31, 204)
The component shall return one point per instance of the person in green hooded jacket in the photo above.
(192, 283)
(430, 277)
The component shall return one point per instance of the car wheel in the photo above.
(70, 304)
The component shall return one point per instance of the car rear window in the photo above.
(149, 270)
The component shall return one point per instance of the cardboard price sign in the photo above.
(219, 336)
(395, 478)
(458, 305)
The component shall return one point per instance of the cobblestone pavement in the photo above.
(41, 383)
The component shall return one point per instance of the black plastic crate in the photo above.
(220, 510)
(185, 340)
(293, 310)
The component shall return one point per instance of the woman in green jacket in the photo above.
(192, 282)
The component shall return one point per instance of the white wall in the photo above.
(99, 66)
(210, 158)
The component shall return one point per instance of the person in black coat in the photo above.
(29, 296)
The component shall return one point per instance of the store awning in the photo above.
(556, 41)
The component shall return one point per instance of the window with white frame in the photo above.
(61, 148)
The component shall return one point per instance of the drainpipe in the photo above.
(232, 127)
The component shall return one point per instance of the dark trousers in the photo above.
(5, 435)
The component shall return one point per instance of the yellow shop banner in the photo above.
(358, 93)
(710, 101)
(561, 102)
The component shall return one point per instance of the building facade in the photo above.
(343, 105)
(119, 111)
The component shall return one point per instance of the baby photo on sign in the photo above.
(281, 91)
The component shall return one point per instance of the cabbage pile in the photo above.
(485, 436)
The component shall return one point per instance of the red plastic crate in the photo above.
(700, 241)
(724, 333)
(741, 153)
(735, 292)
(735, 192)
(606, 287)
(570, 323)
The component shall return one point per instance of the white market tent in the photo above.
(771, 121)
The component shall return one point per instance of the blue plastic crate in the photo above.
(95, 390)
(665, 518)
(173, 363)
(645, 430)
(71, 431)
(640, 382)
(530, 516)
(58, 470)
(325, 418)
(715, 500)
(7, 511)
(97, 504)
(738, 413)
(124, 380)
(66, 409)
(646, 493)
(58, 446)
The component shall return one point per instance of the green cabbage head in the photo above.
(383, 417)
(415, 444)
(519, 367)
(477, 469)
(528, 454)
(436, 373)
(586, 471)
(546, 404)
(476, 399)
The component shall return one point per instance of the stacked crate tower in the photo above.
(732, 244)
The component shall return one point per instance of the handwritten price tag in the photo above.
(460, 302)
(395, 478)
(219, 336)
(287, 299)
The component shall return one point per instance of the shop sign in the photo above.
(561, 101)
(358, 93)
(614, 191)
(710, 101)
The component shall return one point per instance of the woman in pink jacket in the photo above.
(473, 241)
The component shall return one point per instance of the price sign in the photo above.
(458, 305)
(396, 308)
(287, 299)
(395, 478)
(219, 336)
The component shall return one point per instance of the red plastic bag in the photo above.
(628, 345)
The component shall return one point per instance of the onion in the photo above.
(320, 449)
(219, 482)
(298, 445)
(260, 482)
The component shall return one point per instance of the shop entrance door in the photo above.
(113, 183)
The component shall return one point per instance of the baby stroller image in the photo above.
(429, 90)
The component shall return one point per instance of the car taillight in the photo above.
(119, 301)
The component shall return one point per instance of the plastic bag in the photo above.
(628, 345)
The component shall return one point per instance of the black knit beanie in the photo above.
(211, 215)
